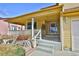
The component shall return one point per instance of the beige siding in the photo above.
(67, 32)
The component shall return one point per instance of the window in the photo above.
(53, 27)
(14, 28)
(29, 25)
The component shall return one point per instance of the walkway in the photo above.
(65, 53)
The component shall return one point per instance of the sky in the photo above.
(8, 10)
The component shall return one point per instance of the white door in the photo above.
(75, 35)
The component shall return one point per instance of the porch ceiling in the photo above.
(51, 13)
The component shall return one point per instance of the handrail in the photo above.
(39, 33)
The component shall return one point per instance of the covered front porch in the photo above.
(48, 20)
(42, 26)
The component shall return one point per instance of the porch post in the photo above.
(61, 32)
(32, 27)
(33, 40)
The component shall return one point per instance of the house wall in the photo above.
(68, 31)
(3, 27)
(47, 21)
(67, 19)
(12, 26)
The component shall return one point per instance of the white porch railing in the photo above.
(35, 37)
(38, 34)
(35, 33)
(18, 32)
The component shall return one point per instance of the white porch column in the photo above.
(62, 29)
(32, 27)
(33, 40)
(61, 32)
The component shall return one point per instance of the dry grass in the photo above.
(11, 50)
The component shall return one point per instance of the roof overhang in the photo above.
(71, 12)
(42, 13)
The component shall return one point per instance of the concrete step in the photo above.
(57, 39)
(53, 45)
(40, 53)
(45, 41)
(45, 49)
(48, 42)
(57, 48)
(48, 46)
(45, 45)
(52, 36)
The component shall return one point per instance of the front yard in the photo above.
(11, 50)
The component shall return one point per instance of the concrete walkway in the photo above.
(54, 53)
(65, 53)
(40, 53)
